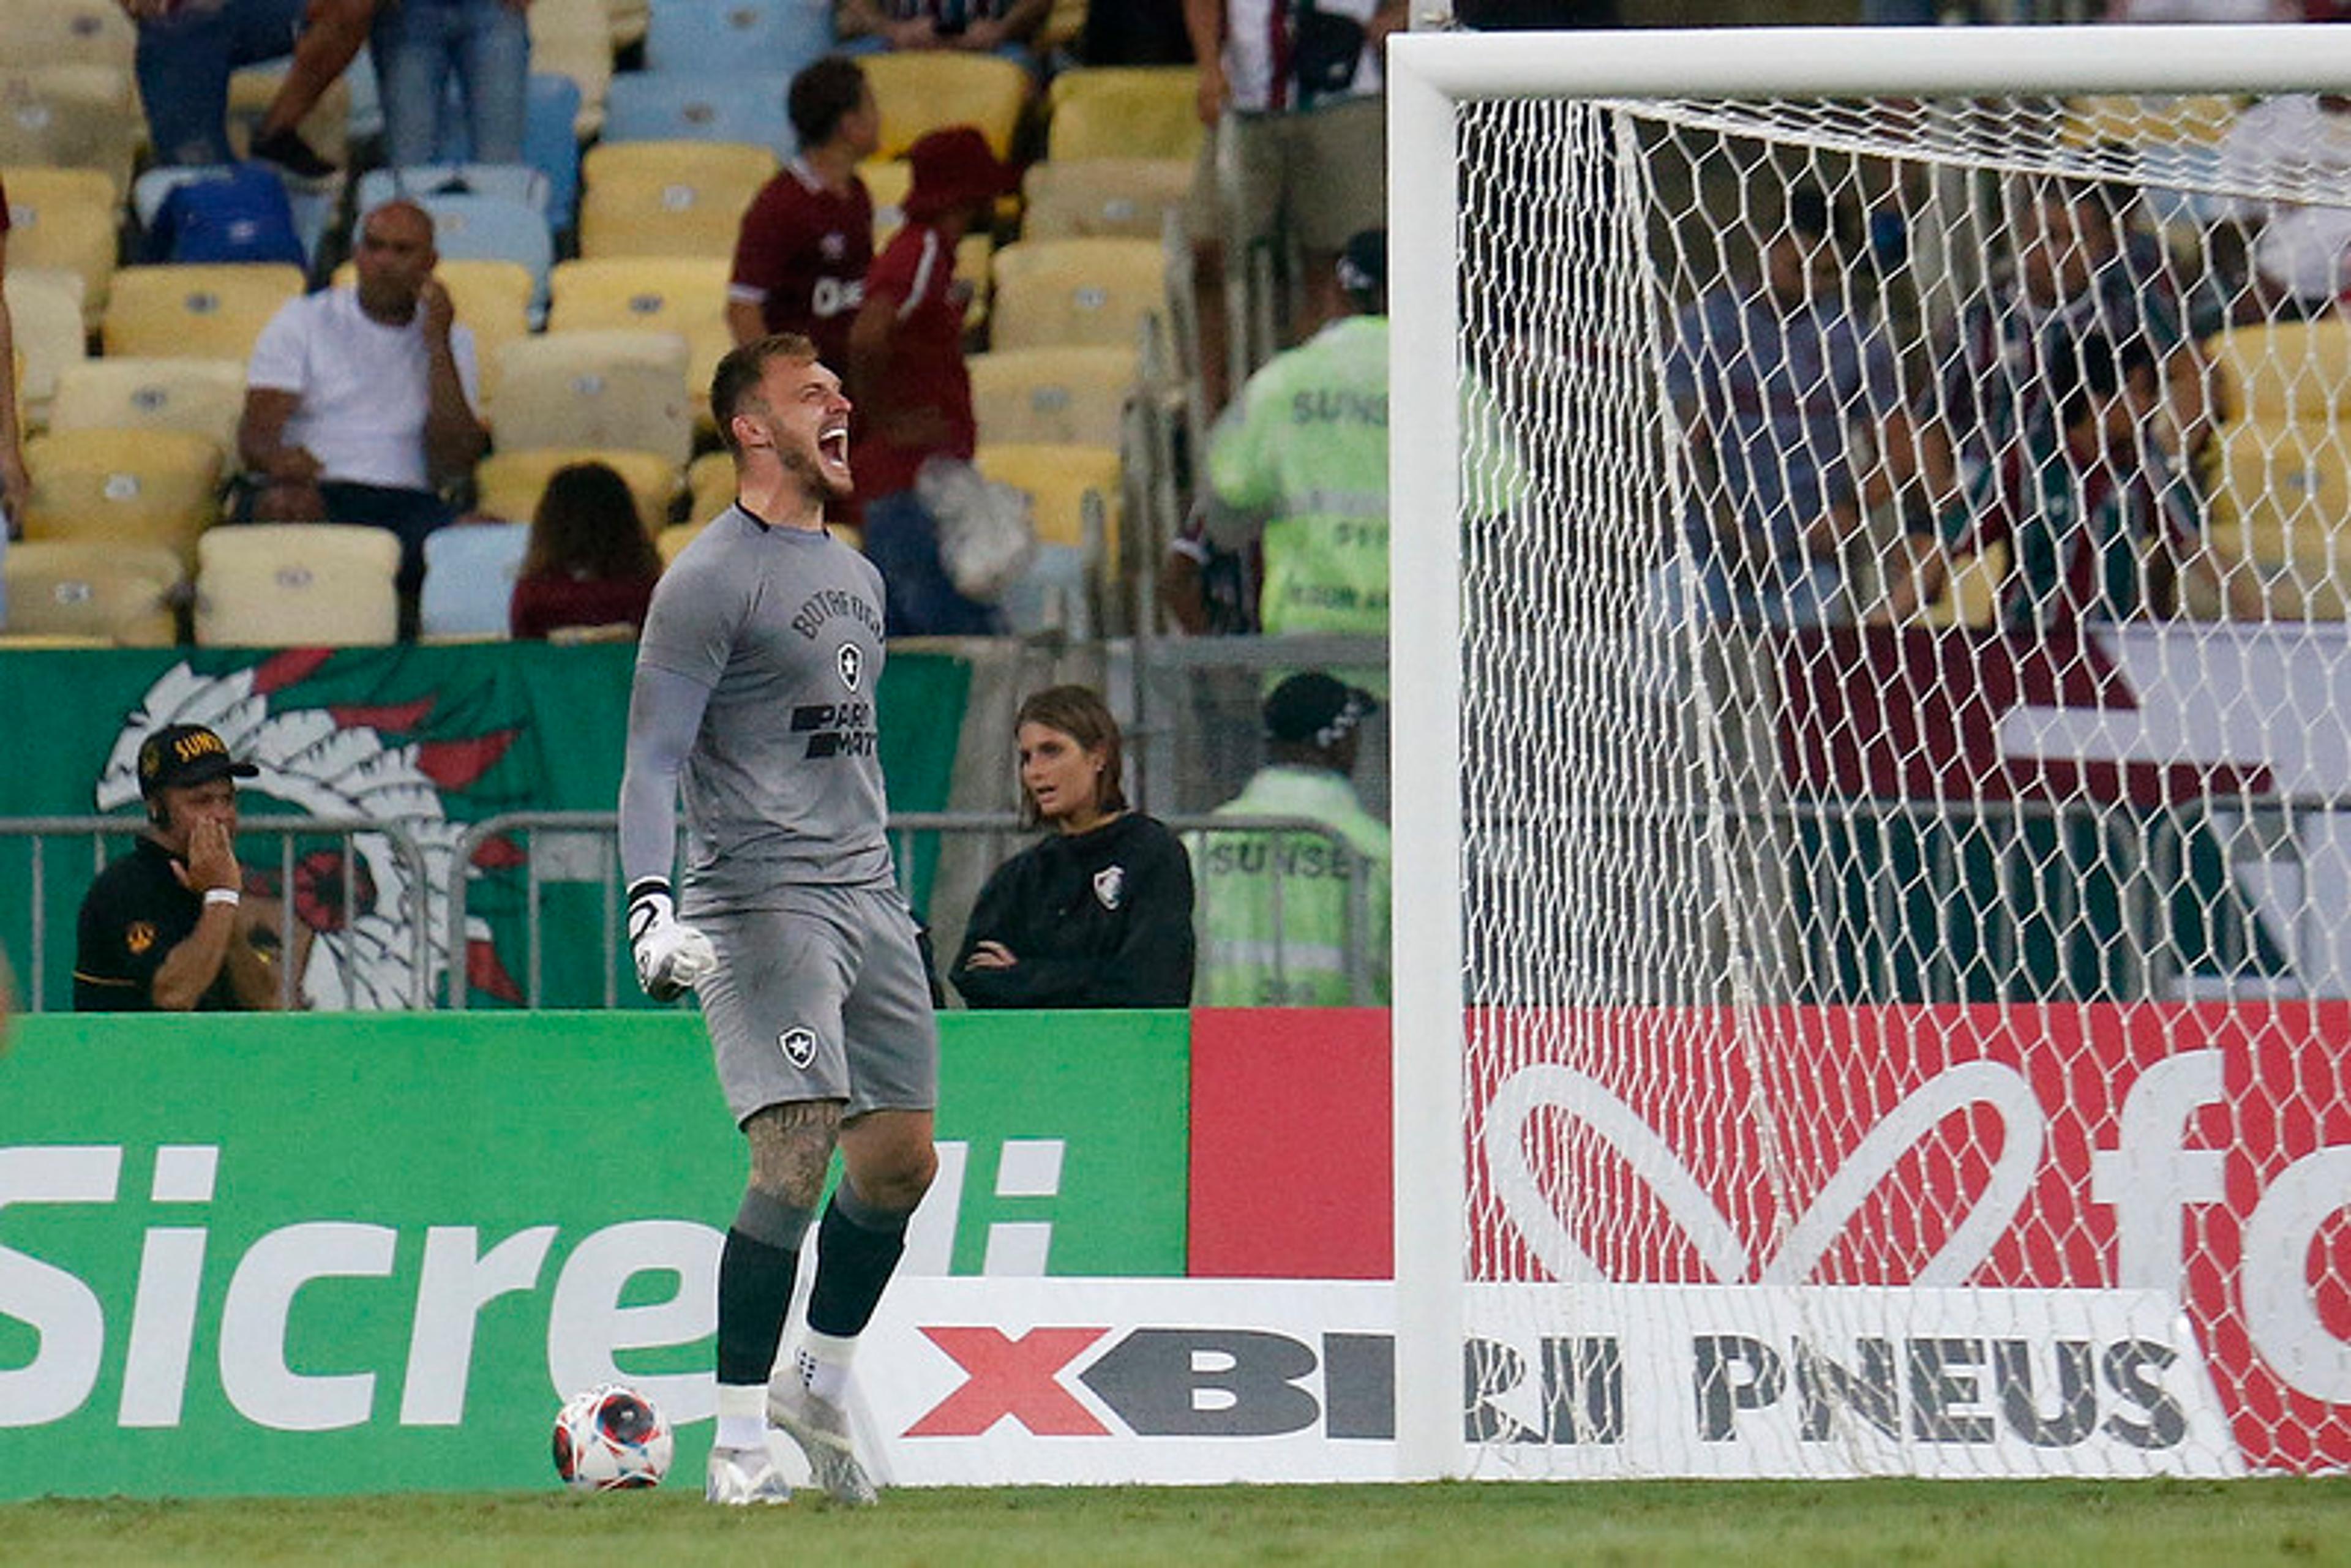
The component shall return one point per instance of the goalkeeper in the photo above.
(754, 694)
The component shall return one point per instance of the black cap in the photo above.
(179, 755)
(1315, 709)
(1363, 264)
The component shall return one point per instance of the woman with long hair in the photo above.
(1098, 914)
(589, 561)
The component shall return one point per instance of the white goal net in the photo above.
(1888, 663)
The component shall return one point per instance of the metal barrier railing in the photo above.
(409, 921)
(903, 829)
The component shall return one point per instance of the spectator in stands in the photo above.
(1099, 913)
(1005, 28)
(168, 927)
(424, 47)
(1307, 136)
(914, 392)
(15, 486)
(1280, 907)
(2086, 504)
(2078, 269)
(1769, 380)
(807, 239)
(2298, 250)
(1299, 466)
(589, 561)
(358, 404)
(188, 49)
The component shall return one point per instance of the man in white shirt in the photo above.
(358, 402)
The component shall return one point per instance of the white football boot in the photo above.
(739, 1477)
(821, 1429)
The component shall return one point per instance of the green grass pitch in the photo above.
(2141, 1524)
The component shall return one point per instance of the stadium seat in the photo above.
(120, 594)
(1970, 596)
(480, 227)
(698, 105)
(1071, 395)
(46, 317)
(602, 390)
(70, 219)
(675, 537)
(2281, 502)
(1124, 111)
(777, 37)
(509, 484)
(196, 311)
(280, 585)
(148, 488)
(516, 181)
(197, 397)
(920, 90)
(469, 578)
(2146, 118)
(685, 295)
(1117, 198)
(66, 32)
(1077, 291)
(573, 40)
(550, 143)
(669, 198)
(1074, 491)
(70, 116)
(709, 485)
(2286, 370)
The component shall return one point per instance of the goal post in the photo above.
(1833, 1035)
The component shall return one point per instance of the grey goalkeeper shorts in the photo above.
(824, 998)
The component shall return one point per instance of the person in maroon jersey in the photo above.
(807, 236)
(589, 561)
(905, 361)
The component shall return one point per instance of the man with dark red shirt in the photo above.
(905, 361)
(807, 236)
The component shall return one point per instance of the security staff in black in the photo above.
(165, 928)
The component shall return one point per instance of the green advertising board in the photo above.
(356, 1253)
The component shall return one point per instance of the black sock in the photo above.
(857, 1250)
(755, 1290)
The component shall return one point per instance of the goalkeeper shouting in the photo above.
(754, 694)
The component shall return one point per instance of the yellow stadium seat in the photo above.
(66, 32)
(509, 484)
(2281, 502)
(277, 585)
(1070, 395)
(2288, 370)
(73, 116)
(2141, 119)
(1060, 479)
(677, 200)
(1076, 291)
(147, 486)
(1120, 198)
(493, 301)
(574, 38)
(676, 536)
(200, 397)
(1971, 595)
(69, 219)
(922, 90)
(685, 295)
(45, 316)
(710, 486)
(198, 311)
(116, 592)
(887, 180)
(595, 388)
(1124, 111)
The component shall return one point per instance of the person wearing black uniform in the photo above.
(1098, 915)
(166, 928)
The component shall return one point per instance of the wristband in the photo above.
(227, 896)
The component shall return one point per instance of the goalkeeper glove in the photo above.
(672, 958)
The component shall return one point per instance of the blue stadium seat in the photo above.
(469, 578)
(767, 36)
(698, 105)
(550, 143)
(514, 182)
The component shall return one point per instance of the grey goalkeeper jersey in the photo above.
(783, 783)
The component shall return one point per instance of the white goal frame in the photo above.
(1429, 74)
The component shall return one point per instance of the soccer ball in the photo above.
(609, 1437)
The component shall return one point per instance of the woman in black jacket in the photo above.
(1099, 913)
